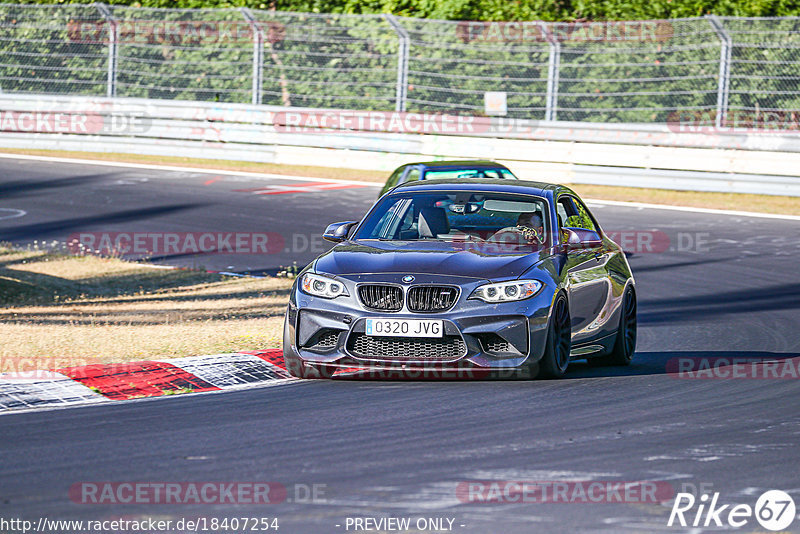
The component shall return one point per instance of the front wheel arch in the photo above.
(556, 356)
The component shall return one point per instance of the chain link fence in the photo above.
(453, 64)
(648, 73)
(186, 54)
(328, 61)
(764, 65)
(711, 70)
(40, 52)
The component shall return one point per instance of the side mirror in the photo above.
(337, 232)
(574, 238)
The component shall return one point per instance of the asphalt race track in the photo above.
(101, 199)
(723, 286)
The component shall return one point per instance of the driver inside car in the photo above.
(529, 227)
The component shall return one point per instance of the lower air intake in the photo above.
(447, 348)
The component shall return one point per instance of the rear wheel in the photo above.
(625, 344)
(555, 361)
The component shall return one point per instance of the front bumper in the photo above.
(476, 334)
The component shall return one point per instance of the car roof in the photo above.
(483, 184)
(471, 164)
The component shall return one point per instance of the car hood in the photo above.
(428, 257)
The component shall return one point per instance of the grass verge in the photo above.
(695, 199)
(75, 310)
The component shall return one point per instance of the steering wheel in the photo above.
(516, 235)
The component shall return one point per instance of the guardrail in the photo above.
(637, 155)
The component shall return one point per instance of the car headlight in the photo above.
(322, 286)
(507, 291)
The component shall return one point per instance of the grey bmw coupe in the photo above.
(454, 274)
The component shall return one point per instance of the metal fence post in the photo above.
(402, 62)
(258, 54)
(113, 38)
(553, 67)
(723, 87)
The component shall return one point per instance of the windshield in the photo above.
(459, 216)
(469, 173)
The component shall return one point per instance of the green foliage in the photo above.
(338, 60)
(495, 10)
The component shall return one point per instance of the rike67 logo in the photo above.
(774, 510)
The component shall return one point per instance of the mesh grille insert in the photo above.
(323, 340)
(431, 298)
(495, 343)
(401, 348)
(381, 297)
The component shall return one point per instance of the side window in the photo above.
(583, 219)
(573, 214)
(394, 178)
(412, 176)
(409, 220)
(387, 226)
(561, 211)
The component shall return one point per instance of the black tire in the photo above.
(555, 361)
(625, 343)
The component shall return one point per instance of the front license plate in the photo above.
(405, 327)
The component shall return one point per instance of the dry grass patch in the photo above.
(85, 309)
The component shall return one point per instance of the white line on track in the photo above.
(13, 215)
(640, 205)
(259, 175)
